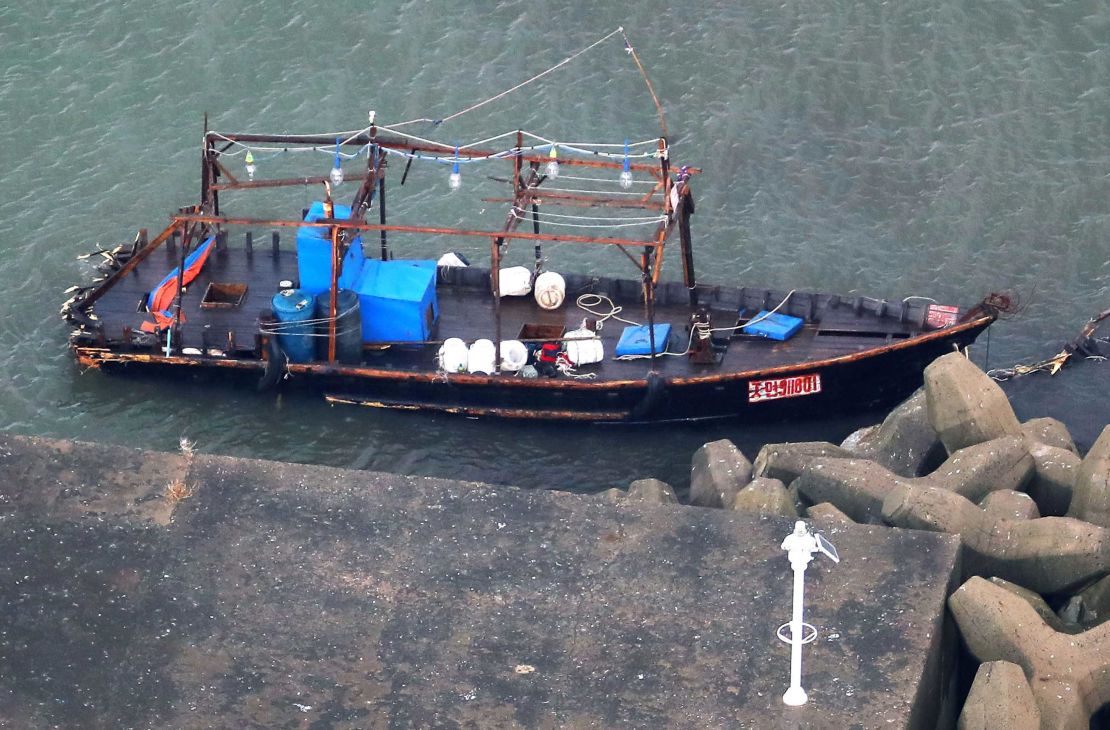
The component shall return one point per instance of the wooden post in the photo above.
(381, 203)
(649, 301)
(684, 211)
(495, 280)
(175, 327)
(333, 296)
(665, 172)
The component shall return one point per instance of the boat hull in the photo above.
(810, 390)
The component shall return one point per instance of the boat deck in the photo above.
(834, 326)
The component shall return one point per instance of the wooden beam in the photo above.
(275, 183)
(325, 223)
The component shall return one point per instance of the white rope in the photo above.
(656, 221)
(538, 76)
(604, 180)
(587, 301)
(646, 218)
(579, 190)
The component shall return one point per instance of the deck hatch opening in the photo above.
(223, 295)
(533, 332)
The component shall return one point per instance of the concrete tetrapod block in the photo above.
(858, 486)
(717, 472)
(828, 512)
(1038, 603)
(976, 471)
(1050, 432)
(765, 496)
(1068, 673)
(965, 406)
(786, 462)
(1091, 495)
(1094, 602)
(1000, 697)
(904, 442)
(1054, 474)
(1010, 505)
(1048, 555)
(287, 595)
(651, 491)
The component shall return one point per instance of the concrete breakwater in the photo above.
(1031, 514)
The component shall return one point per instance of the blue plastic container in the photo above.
(398, 300)
(636, 340)
(314, 253)
(290, 307)
(779, 327)
(348, 327)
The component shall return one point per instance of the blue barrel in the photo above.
(290, 307)
(348, 326)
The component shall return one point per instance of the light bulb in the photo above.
(626, 173)
(552, 169)
(455, 180)
(336, 176)
(250, 165)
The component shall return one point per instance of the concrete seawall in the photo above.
(184, 590)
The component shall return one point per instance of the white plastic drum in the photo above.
(481, 359)
(453, 356)
(583, 347)
(514, 355)
(515, 281)
(551, 290)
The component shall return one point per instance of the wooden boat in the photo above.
(850, 352)
(731, 351)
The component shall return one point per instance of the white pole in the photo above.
(795, 695)
(800, 546)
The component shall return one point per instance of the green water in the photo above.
(944, 149)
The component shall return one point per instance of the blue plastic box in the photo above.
(398, 300)
(637, 341)
(779, 327)
(314, 253)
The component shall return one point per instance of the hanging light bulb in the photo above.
(552, 169)
(336, 174)
(626, 173)
(455, 180)
(250, 165)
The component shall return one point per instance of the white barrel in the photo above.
(453, 355)
(584, 351)
(514, 355)
(551, 290)
(481, 358)
(515, 281)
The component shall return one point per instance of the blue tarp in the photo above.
(314, 253)
(398, 300)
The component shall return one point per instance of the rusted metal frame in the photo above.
(365, 194)
(333, 293)
(400, 143)
(187, 232)
(554, 199)
(275, 183)
(272, 223)
(651, 193)
(520, 202)
(664, 228)
(686, 245)
(225, 172)
(128, 267)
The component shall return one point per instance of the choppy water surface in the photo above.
(944, 149)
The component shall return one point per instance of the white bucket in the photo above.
(481, 358)
(551, 290)
(514, 355)
(583, 347)
(515, 281)
(453, 355)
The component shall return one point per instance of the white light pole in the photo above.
(800, 546)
